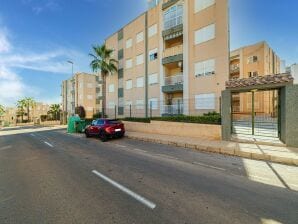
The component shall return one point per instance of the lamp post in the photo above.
(70, 62)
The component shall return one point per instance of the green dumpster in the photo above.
(80, 126)
(72, 124)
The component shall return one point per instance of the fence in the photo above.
(158, 108)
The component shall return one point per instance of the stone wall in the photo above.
(203, 131)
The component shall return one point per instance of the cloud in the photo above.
(4, 43)
(13, 59)
(39, 6)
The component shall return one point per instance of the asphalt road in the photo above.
(48, 176)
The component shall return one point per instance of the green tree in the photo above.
(2, 110)
(26, 103)
(21, 105)
(102, 61)
(54, 111)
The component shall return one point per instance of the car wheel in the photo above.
(87, 135)
(103, 136)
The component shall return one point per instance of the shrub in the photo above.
(137, 119)
(213, 118)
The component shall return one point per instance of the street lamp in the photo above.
(70, 62)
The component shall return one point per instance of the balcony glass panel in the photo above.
(173, 16)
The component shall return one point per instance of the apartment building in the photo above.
(254, 60)
(293, 70)
(82, 90)
(173, 59)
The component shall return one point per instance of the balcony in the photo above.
(173, 84)
(173, 54)
(172, 110)
(234, 68)
(168, 3)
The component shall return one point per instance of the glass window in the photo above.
(129, 43)
(205, 101)
(204, 34)
(128, 63)
(129, 84)
(203, 4)
(140, 82)
(153, 79)
(205, 68)
(152, 30)
(140, 59)
(173, 16)
(153, 103)
(153, 54)
(111, 88)
(140, 37)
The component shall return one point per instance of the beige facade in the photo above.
(82, 90)
(255, 60)
(173, 59)
(251, 61)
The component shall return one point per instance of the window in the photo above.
(129, 43)
(140, 82)
(89, 109)
(203, 4)
(140, 59)
(205, 68)
(140, 37)
(128, 84)
(252, 59)
(152, 30)
(173, 16)
(111, 88)
(253, 74)
(204, 34)
(205, 101)
(139, 104)
(153, 54)
(111, 105)
(128, 63)
(153, 79)
(90, 85)
(153, 103)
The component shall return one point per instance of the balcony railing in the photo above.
(173, 51)
(173, 80)
(174, 109)
(234, 68)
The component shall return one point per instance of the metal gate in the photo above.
(256, 113)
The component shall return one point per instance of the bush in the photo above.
(212, 118)
(137, 119)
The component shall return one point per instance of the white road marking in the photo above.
(166, 156)
(49, 144)
(139, 150)
(32, 135)
(126, 190)
(209, 166)
(5, 147)
(122, 146)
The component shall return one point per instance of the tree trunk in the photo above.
(28, 119)
(103, 77)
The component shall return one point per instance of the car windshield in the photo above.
(114, 122)
(100, 122)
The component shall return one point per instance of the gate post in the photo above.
(226, 120)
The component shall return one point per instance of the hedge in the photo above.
(211, 118)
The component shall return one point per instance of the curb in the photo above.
(224, 151)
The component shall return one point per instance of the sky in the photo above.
(38, 37)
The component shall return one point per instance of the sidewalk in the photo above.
(279, 154)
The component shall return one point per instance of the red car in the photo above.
(105, 129)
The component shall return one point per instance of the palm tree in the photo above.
(54, 110)
(21, 105)
(29, 102)
(102, 61)
(2, 110)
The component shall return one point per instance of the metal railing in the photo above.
(173, 80)
(173, 51)
(174, 109)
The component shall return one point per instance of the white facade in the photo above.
(294, 72)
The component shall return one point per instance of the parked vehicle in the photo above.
(105, 129)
